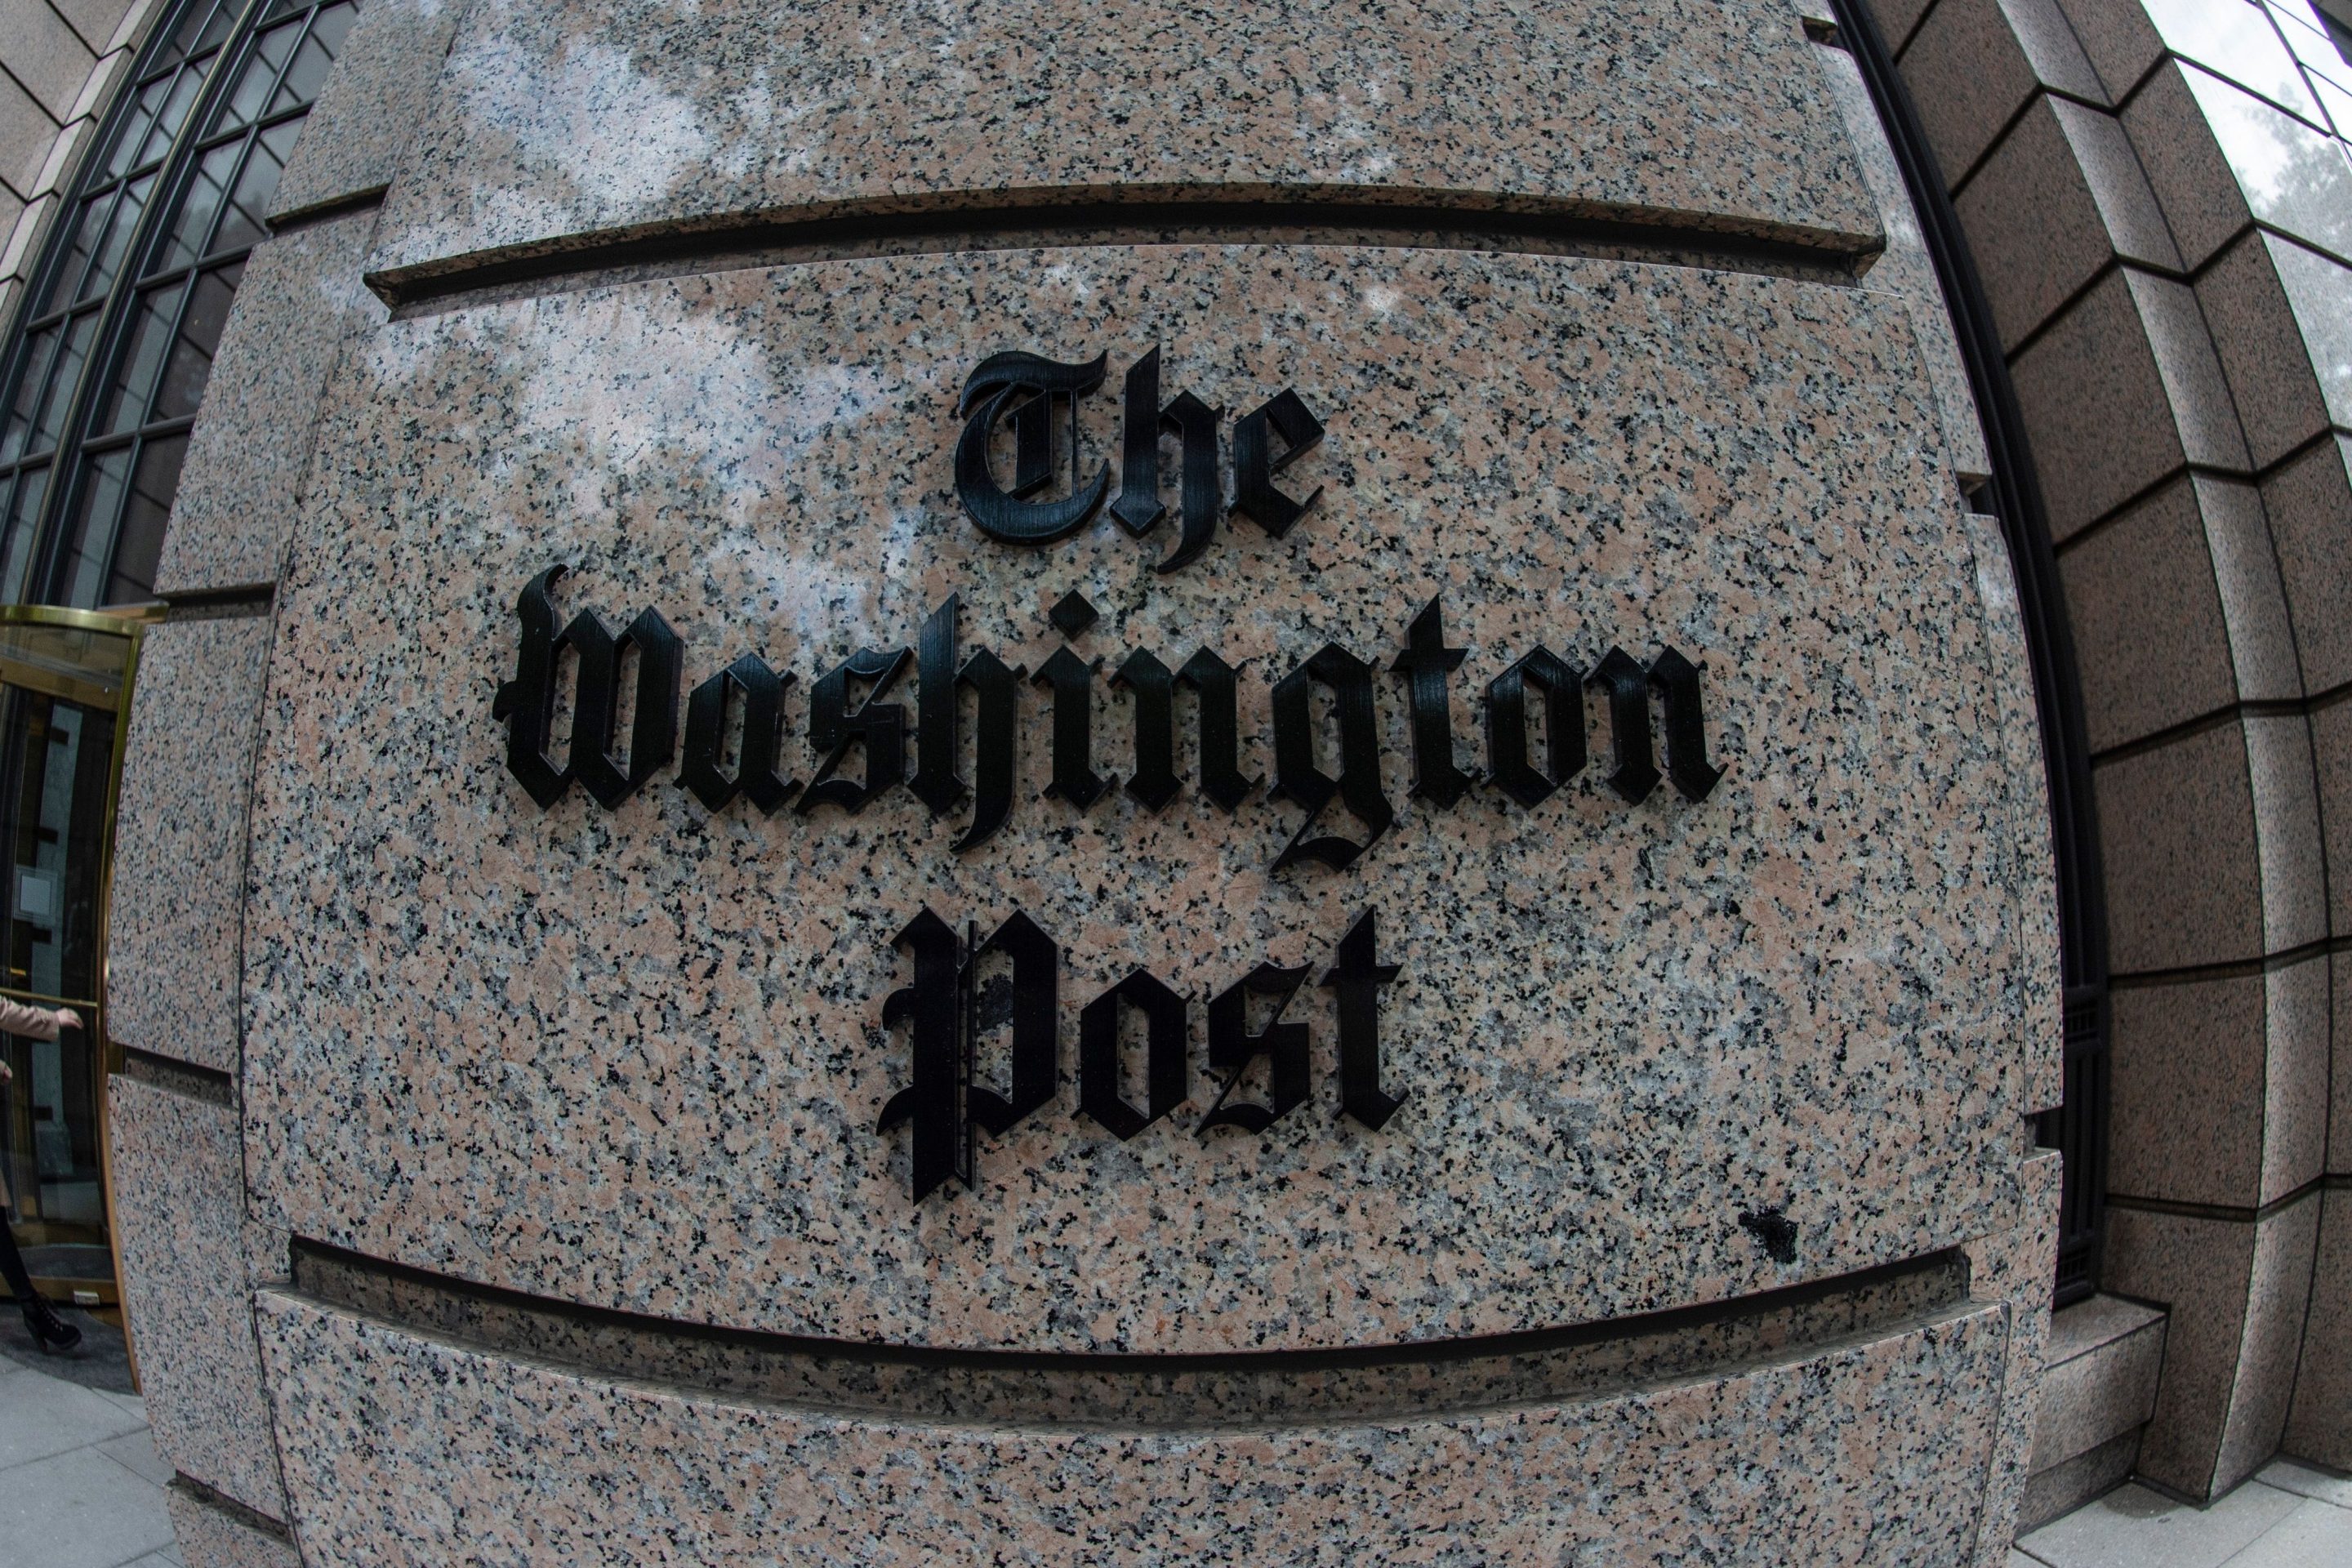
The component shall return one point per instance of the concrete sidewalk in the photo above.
(80, 1487)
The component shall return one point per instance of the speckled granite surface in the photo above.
(402, 1450)
(2014, 1266)
(379, 93)
(634, 1059)
(177, 893)
(240, 490)
(555, 123)
(211, 1537)
(180, 1236)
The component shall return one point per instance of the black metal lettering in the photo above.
(527, 702)
(1677, 678)
(1231, 1048)
(1152, 691)
(835, 727)
(1428, 667)
(755, 776)
(1164, 1019)
(1507, 727)
(932, 1006)
(1628, 686)
(936, 781)
(996, 722)
(653, 735)
(1025, 386)
(1137, 509)
(1072, 681)
(1299, 779)
(1032, 1009)
(1211, 681)
(1355, 981)
(1255, 464)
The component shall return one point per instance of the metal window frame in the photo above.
(55, 545)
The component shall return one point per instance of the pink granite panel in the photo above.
(179, 861)
(180, 1215)
(635, 1058)
(406, 1450)
(554, 124)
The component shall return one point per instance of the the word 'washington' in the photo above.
(1534, 725)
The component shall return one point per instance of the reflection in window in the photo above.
(100, 384)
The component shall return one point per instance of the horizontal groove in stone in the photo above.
(2233, 968)
(672, 250)
(178, 1076)
(197, 1492)
(2226, 1213)
(328, 211)
(1231, 1390)
(220, 603)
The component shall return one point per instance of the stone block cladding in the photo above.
(2166, 248)
(684, 304)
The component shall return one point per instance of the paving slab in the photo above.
(81, 1510)
(2133, 1527)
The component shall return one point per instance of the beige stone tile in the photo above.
(44, 56)
(2309, 503)
(2237, 536)
(2100, 1392)
(2218, 157)
(1974, 63)
(27, 129)
(2223, 1321)
(2188, 1091)
(2056, 200)
(172, 974)
(2295, 1121)
(2272, 305)
(94, 21)
(2278, 1297)
(2319, 1422)
(2339, 1112)
(180, 1215)
(2152, 643)
(2117, 37)
(2331, 747)
(2119, 392)
(2286, 823)
(2183, 871)
(1897, 19)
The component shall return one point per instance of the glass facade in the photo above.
(99, 381)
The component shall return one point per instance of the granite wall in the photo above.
(1658, 1182)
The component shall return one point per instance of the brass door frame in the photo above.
(131, 625)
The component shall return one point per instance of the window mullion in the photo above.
(106, 344)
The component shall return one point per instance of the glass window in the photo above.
(99, 382)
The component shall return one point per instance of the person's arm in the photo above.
(40, 1023)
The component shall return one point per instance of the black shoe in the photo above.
(51, 1332)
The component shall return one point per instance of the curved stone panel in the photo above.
(636, 1056)
(403, 1449)
(556, 126)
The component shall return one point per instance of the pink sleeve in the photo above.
(16, 1018)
